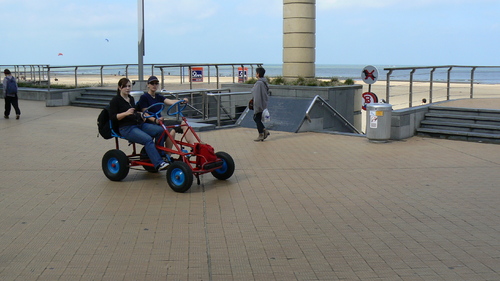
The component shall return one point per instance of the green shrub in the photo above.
(251, 81)
(312, 82)
(324, 83)
(301, 81)
(278, 80)
(349, 81)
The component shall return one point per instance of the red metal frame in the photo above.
(177, 150)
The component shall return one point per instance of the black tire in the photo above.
(227, 169)
(179, 176)
(115, 165)
(144, 156)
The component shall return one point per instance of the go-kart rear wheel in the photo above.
(115, 165)
(227, 169)
(144, 156)
(179, 176)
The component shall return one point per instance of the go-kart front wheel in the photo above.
(227, 169)
(115, 165)
(179, 176)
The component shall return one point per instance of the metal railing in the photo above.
(240, 73)
(41, 74)
(463, 77)
(220, 104)
(204, 102)
(334, 112)
(190, 94)
(33, 73)
(116, 67)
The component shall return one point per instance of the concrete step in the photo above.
(462, 117)
(96, 98)
(468, 126)
(200, 126)
(464, 111)
(90, 103)
(459, 135)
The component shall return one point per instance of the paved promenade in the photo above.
(305, 206)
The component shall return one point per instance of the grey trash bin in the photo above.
(378, 121)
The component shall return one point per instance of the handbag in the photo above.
(250, 104)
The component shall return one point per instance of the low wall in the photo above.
(30, 94)
(63, 97)
(54, 97)
(345, 99)
(404, 122)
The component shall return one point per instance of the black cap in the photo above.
(152, 78)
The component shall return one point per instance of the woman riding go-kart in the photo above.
(185, 160)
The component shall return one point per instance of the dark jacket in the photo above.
(119, 105)
(5, 82)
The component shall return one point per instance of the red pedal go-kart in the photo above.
(185, 159)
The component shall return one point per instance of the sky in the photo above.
(360, 32)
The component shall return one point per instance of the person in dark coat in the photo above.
(10, 94)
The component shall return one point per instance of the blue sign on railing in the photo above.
(242, 74)
(197, 74)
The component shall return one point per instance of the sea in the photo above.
(482, 75)
(489, 75)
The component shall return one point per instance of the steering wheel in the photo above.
(179, 110)
(153, 114)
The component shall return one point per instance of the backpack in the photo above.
(11, 88)
(104, 124)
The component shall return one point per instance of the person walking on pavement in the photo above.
(10, 94)
(260, 96)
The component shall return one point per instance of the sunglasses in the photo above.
(154, 83)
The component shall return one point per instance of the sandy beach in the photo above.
(171, 82)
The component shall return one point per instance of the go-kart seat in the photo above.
(114, 133)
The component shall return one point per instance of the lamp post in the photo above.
(140, 48)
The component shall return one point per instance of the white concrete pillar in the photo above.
(299, 38)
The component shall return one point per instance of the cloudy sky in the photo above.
(378, 32)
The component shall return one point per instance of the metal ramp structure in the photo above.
(301, 115)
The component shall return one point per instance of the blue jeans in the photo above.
(257, 117)
(144, 134)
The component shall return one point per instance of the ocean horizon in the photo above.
(340, 71)
(354, 71)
